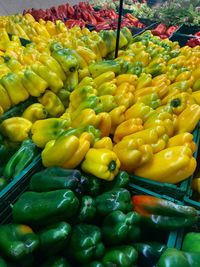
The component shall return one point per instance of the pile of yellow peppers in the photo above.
(135, 113)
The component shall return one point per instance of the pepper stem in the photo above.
(112, 166)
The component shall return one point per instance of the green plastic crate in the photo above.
(15, 188)
(175, 191)
(171, 236)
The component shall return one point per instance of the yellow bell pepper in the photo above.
(101, 162)
(49, 129)
(127, 127)
(107, 88)
(5, 102)
(196, 85)
(103, 123)
(57, 152)
(35, 112)
(160, 89)
(132, 153)
(145, 80)
(139, 110)
(104, 77)
(182, 86)
(117, 116)
(86, 117)
(104, 142)
(162, 78)
(183, 76)
(155, 136)
(180, 101)
(33, 83)
(12, 81)
(126, 78)
(16, 128)
(171, 165)
(196, 96)
(188, 119)
(123, 95)
(53, 80)
(151, 100)
(182, 139)
(52, 104)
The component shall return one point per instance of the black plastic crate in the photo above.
(188, 30)
(181, 38)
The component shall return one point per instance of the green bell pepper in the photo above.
(123, 256)
(191, 242)
(94, 185)
(175, 258)
(3, 263)
(56, 262)
(149, 253)
(121, 180)
(116, 199)
(17, 241)
(94, 264)
(54, 237)
(85, 243)
(53, 207)
(55, 178)
(118, 227)
(136, 68)
(21, 159)
(87, 210)
(3, 183)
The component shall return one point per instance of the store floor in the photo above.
(17, 6)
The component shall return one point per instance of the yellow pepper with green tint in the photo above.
(35, 112)
(126, 78)
(117, 116)
(182, 139)
(48, 129)
(127, 127)
(133, 153)
(52, 104)
(102, 163)
(145, 80)
(5, 102)
(107, 88)
(139, 110)
(16, 128)
(188, 119)
(180, 101)
(171, 165)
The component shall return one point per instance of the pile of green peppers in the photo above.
(68, 218)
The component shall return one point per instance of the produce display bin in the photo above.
(138, 31)
(176, 191)
(181, 38)
(169, 237)
(188, 30)
(15, 188)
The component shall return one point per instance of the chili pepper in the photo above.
(85, 243)
(20, 159)
(175, 165)
(16, 128)
(34, 84)
(10, 81)
(54, 153)
(52, 103)
(17, 241)
(125, 256)
(191, 114)
(49, 129)
(115, 199)
(149, 253)
(53, 238)
(164, 214)
(126, 128)
(118, 227)
(63, 205)
(102, 163)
